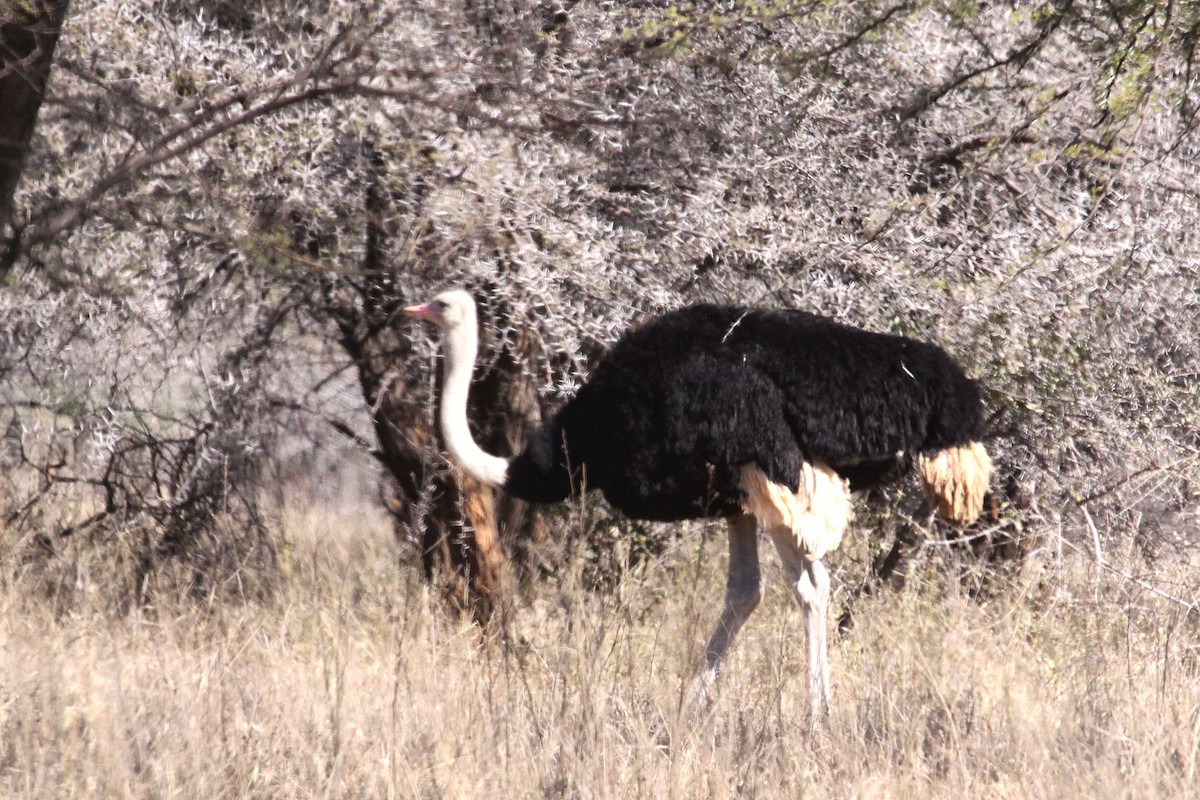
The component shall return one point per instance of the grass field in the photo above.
(352, 680)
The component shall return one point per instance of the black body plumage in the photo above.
(680, 403)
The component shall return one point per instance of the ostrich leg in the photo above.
(809, 580)
(743, 591)
(813, 591)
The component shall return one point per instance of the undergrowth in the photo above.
(351, 680)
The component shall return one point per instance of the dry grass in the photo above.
(351, 681)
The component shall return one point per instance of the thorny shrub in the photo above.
(1015, 181)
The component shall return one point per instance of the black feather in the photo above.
(679, 404)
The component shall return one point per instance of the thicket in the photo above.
(224, 205)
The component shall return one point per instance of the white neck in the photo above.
(461, 343)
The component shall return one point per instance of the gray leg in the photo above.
(743, 592)
(743, 588)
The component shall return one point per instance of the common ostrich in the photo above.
(755, 415)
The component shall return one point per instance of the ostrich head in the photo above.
(449, 311)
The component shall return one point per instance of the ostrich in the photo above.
(759, 416)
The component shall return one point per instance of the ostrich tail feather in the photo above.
(956, 479)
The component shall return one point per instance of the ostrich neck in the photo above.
(461, 345)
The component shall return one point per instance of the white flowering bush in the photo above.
(226, 204)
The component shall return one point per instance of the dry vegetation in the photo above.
(351, 682)
(225, 203)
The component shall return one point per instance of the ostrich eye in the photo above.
(438, 306)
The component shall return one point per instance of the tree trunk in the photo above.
(504, 408)
(486, 561)
(28, 34)
(454, 517)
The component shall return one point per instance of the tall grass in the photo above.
(351, 680)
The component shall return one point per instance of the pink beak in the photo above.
(420, 312)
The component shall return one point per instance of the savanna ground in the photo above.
(352, 680)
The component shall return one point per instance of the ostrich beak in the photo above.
(422, 311)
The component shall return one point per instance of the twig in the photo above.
(1153, 467)
(958, 540)
(1097, 552)
(1189, 607)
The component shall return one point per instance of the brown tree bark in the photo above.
(465, 529)
(505, 408)
(485, 559)
(462, 527)
(29, 32)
